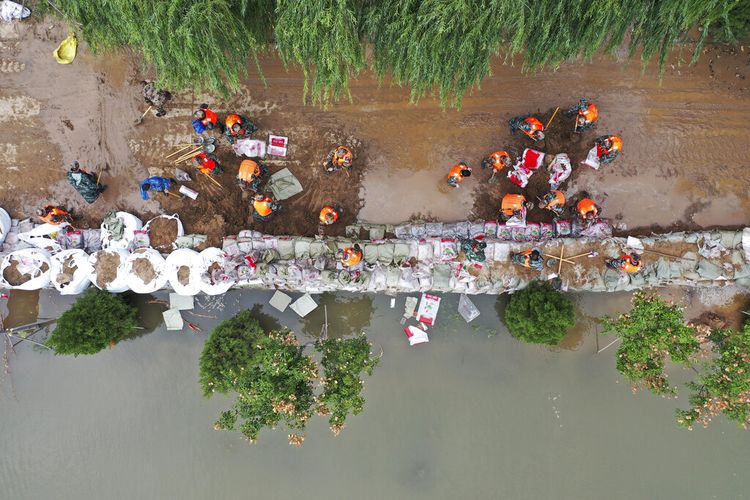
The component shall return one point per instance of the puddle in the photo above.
(347, 315)
(149, 312)
(23, 308)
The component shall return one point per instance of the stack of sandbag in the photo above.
(71, 271)
(183, 270)
(27, 269)
(218, 273)
(145, 271)
(109, 270)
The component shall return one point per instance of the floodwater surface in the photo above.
(472, 414)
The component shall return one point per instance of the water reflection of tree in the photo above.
(347, 315)
(150, 311)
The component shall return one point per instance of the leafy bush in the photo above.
(652, 331)
(96, 320)
(539, 314)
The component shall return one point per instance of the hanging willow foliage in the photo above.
(441, 46)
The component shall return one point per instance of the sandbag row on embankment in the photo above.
(423, 257)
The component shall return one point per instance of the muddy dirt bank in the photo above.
(684, 162)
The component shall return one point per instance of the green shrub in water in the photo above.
(539, 314)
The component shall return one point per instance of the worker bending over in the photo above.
(156, 184)
(156, 98)
(51, 214)
(554, 201)
(351, 256)
(238, 127)
(250, 175)
(514, 205)
(530, 258)
(328, 215)
(586, 209)
(629, 263)
(85, 183)
(265, 207)
(497, 161)
(205, 119)
(458, 173)
(339, 159)
(608, 147)
(207, 163)
(533, 128)
(587, 114)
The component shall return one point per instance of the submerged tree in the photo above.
(97, 319)
(539, 314)
(274, 379)
(651, 332)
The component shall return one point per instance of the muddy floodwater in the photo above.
(472, 414)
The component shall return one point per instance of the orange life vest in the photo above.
(456, 172)
(498, 160)
(587, 206)
(54, 215)
(351, 257)
(211, 117)
(557, 201)
(231, 120)
(205, 164)
(248, 170)
(263, 207)
(511, 203)
(535, 126)
(628, 265)
(616, 145)
(590, 115)
(342, 157)
(328, 209)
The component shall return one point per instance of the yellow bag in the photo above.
(66, 51)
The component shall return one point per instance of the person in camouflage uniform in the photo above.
(85, 183)
(156, 98)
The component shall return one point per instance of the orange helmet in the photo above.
(616, 142)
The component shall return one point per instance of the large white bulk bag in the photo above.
(29, 261)
(183, 270)
(118, 282)
(132, 224)
(62, 279)
(43, 236)
(145, 271)
(180, 229)
(5, 224)
(226, 279)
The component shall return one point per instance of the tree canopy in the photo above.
(442, 46)
(539, 314)
(96, 320)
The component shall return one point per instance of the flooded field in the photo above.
(472, 414)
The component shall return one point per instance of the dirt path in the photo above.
(684, 162)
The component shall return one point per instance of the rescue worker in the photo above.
(207, 163)
(156, 184)
(531, 259)
(497, 161)
(328, 215)
(626, 263)
(607, 148)
(533, 128)
(458, 173)
(587, 114)
(85, 183)
(265, 207)
(351, 256)
(155, 98)
(554, 201)
(205, 119)
(51, 214)
(250, 175)
(514, 205)
(238, 127)
(340, 158)
(586, 209)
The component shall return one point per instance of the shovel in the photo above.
(140, 120)
(99, 175)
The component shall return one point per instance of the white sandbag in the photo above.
(224, 280)
(62, 280)
(132, 224)
(139, 277)
(29, 261)
(5, 224)
(43, 236)
(746, 243)
(592, 159)
(184, 257)
(119, 282)
(180, 227)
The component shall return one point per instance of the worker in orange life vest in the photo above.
(626, 263)
(205, 119)
(265, 208)
(514, 205)
(607, 148)
(458, 173)
(250, 175)
(586, 209)
(587, 114)
(351, 256)
(554, 201)
(238, 127)
(328, 215)
(339, 159)
(497, 161)
(207, 163)
(529, 258)
(51, 214)
(533, 128)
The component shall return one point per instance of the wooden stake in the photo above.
(552, 118)
(213, 180)
(562, 253)
(558, 258)
(664, 254)
(189, 155)
(181, 149)
(172, 194)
